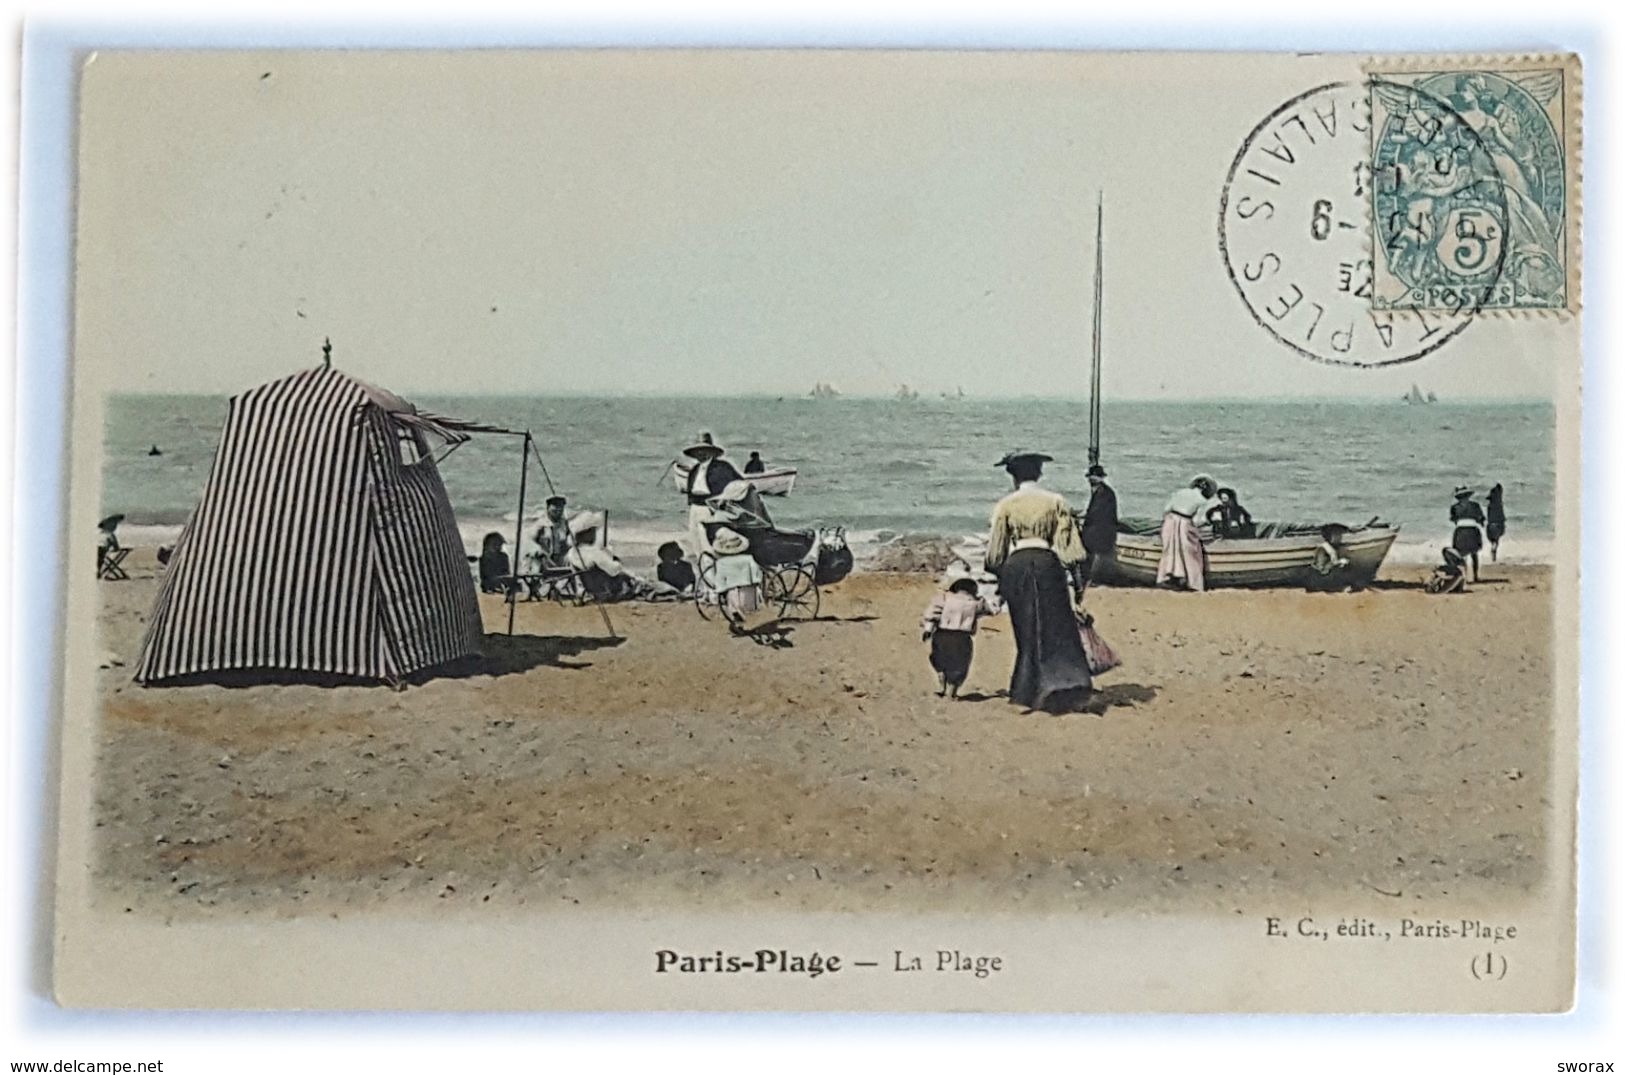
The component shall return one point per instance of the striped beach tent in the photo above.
(323, 543)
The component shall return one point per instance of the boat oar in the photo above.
(661, 480)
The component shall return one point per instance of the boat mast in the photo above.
(1094, 369)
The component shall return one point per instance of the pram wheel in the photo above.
(794, 589)
(705, 585)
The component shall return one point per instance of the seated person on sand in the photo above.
(1329, 572)
(1450, 576)
(738, 578)
(554, 537)
(602, 573)
(674, 571)
(107, 538)
(495, 570)
(1228, 518)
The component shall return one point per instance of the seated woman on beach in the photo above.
(494, 567)
(1228, 518)
(107, 541)
(602, 572)
(674, 571)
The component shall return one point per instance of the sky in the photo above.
(747, 223)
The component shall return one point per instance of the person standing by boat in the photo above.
(1182, 557)
(1468, 518)
(1033, 546)
(754, 464)
(1495, 527)
(1099, 525)
(711, 474)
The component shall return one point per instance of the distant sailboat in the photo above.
(904, 392)
(823, 390)
(1415, 396)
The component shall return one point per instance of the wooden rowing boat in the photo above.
(777, 481)
(1280, 557)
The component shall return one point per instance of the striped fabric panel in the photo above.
(427, 605)
(312, 548)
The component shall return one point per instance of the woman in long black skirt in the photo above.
(1035, 549)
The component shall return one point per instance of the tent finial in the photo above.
(327, 353)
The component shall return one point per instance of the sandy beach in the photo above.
(1256, 747)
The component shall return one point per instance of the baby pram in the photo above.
(795, 563)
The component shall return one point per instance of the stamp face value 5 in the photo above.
(1470, 196)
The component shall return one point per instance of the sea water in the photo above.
(882, 468)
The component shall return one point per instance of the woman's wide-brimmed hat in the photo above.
(729, 542)
(1463, 491)
(1203, 479)
(584, 521)
(1016, 458)
(111, 522)
(1096, 471)
(703, 447)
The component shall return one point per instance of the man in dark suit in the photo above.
(1099, 524)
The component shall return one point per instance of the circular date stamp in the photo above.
(1298, 223)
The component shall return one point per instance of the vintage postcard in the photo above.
(823, 530)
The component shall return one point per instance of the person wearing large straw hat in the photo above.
(710, 475)
(1034, 549)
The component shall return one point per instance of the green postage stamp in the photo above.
(1475, 180)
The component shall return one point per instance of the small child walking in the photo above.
(949, 623)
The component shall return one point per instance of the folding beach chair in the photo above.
(566, 585)
(110, 564)
(561, 584)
